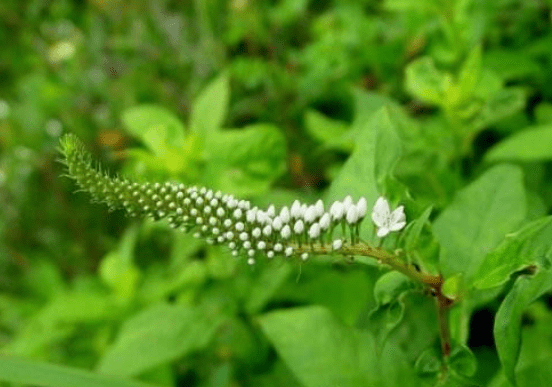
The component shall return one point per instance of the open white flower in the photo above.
(385, 220)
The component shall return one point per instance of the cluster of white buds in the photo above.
(222, 219)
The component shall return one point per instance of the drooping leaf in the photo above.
(528, 145)
(528, 246)
(157, 335)
(331, 133)
(507, 325)
(478, 219)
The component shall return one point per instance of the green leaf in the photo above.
(528, 145)
(478, 219)
(462, 361)
(429, 362)
(499, 106)
(156, 126)
(157, 335)
(22, 371)
(210, 107)
(322, 352)
(419, 246)
(117, 269)
(383, 320)
(507, 325)
(246, 161)
(390, 286)
(537, 374)
(331, 133)
(470, 73)
(528, 246)
(453, 287)
(425, 82)
(371, 165)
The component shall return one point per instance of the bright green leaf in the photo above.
(157, 335)
(390, 286)
(156, 126)
(246, 161)
(528, 246)
(28, 372)
(507, 325)
(529, 145)
(331, 133)
(478, 219)
(322, 352)
(462, 361)
(425, 82)
(210, 108)
(538, 374)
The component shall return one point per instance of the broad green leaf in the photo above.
(160, 334)
(425, 82)
(270, 280)
(530, 144)
(210, 108)
(370, 164)
(543, 113)
(507, 325)
(478, 218)
(246, 161)
(332, 133)
(29, 372)
(156, 126)
(383, 320)
(529, 246)
(321, 352)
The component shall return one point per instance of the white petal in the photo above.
(397, 219)
(381, 212)
(382, 231)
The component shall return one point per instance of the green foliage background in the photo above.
(442, 105)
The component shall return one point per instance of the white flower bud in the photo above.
(314, 231)
(244, 236)
(299, 227)
(213, 221)
(305, 256)
(251, 261)
(337, 244)
(251, 253)
(362, 207)
(227, 223)
(278, 247)
(324, 221)
(199, 201)
(277, 223)
(347, 202)
(310, 214)
(261, 245)
(237, 213)
(352, 215)
(267, 230)
(336, 210)
(251, 215)
(284, 215)
(270, 254)
(220, 239)
(220, 212)
(319, 208)
(229, 235)
(271, 211)
(240, 226)
(286, 232)
(232, 245)
(288, 251)
(256, 232)
(234, 253)
(246, 245)
(295, 209)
